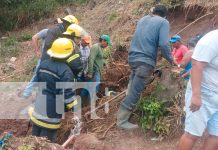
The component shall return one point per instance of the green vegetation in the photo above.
(26, 147)
(19, 13)
(9, 48)
(30, 65)
(172, 3)
(153, 115)
(113, 16)
(25, 37)
(159, 116)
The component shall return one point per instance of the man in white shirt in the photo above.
(201, 97)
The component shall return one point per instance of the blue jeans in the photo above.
(139, 78)
(97, 79)
(29, 88)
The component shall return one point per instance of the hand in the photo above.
(195, 103)
(38, 54)
(89, 76)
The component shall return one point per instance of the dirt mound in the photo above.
(116, 75)
(16, 127)
(32, 143)
(89, 142)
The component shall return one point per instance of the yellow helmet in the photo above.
(71, 19)
(75, 30)
(61, 48)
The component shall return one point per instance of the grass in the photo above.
(25, 37)
(26, 147)
(30, 65)
(9, 48)
(113, 16)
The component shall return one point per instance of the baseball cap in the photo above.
(175, 38)
(106, 38)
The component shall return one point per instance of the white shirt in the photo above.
(206, 50)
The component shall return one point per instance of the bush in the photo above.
(19, 13)
(160, 116)
(153, 116)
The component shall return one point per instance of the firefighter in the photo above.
(44, 116)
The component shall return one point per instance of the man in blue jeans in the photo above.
(152, 32)
(35, 40)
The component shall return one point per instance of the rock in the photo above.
(13, 59)
(8, 68)
(4, 37)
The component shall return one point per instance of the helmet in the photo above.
(61, 48)
(71, 19)
(75, 30)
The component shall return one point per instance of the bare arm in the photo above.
(35, 42)
(186, 59)
(196, 78)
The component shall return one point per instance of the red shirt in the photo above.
(179, 53)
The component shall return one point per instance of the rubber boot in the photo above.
(122, 119)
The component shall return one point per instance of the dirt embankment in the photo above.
(117, 19)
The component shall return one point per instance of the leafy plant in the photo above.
(26, 147)
(25, 37)
(152, 111)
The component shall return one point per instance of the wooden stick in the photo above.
(193, 22)
(124, 92)
(71, 138)
(111, 126)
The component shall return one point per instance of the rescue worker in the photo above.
(152, 32)
(46, 121)
(47, 36)
(96, 59)
(85, 46)
(75, 33)
(54, 33)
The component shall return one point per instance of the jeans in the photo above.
(51, 134)
(139, 78)
(97, 79)
(29, 88)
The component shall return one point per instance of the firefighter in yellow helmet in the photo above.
(75, 33)
(45, 116)
(71, 19)
(47, 36)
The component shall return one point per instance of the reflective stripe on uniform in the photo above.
(69, 100)
(72, 58)
(50, 73)
(40, 123)
(46, 125)
(72, 104)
